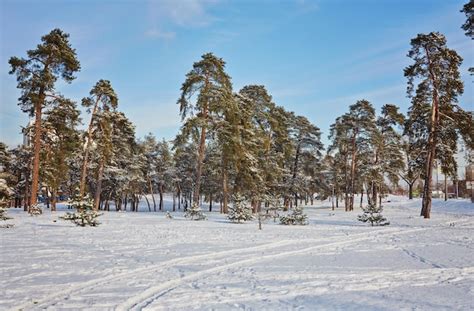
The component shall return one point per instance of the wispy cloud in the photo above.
(166, 15)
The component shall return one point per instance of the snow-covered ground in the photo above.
(146, 261)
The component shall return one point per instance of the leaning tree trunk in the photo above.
(99, 185)
(82, 185)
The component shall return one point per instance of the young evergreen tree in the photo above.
(373, 215)
(295, 217)
(239, 211)
(435, 79)
(53, 58)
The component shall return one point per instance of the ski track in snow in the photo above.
(144, 299)
(166, 284)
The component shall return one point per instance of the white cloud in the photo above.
(168, 14)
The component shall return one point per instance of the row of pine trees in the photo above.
(231, 143)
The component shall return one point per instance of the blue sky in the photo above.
(315, 57)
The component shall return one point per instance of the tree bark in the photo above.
(53, 199)
(36, 150)
(353, 168)
(225, 208)
(150, 185)
(99, 184)
(431, 147)
(161, 196)
(82, 185)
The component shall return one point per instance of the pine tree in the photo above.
(373, 215)
(85, 214)
(209, 80)
(195, 212)
(61, 141)
(295, 217)
(239, 211)
(468, 26)
(102, 98)
(435, 74)
(36, 75)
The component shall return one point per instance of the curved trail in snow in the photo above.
(57, 296)
(148, 296)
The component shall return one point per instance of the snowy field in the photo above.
(146, 261)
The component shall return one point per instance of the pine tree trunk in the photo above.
(445, 187)
(99, 184)
(353, 168)
(161, 197)
(210, 202)
(224, 191)
(201, 151)
(179, 197)
(174, 202)
(53, 199)
(148, 203)
(410, 191)
(36, 149)
(150, 186)
(361, 197)
(431, 146)
(82, 185)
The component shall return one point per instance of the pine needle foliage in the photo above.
(195, 213)
(295, 217)
(373, 215)
(84, 215)
(239, 211)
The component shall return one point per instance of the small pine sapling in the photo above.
(35, 210)
(239, 211)
(168, 215)
(296, 217)
(195, 213)
(373, 214)
(84, 215)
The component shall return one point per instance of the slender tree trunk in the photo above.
(36, 149)
(82, 185)
(201, 151)
(53, 199)
(150, 186)
(161, 197)
(179, 197)
(445, 187)
(148, 203)
(353, 168)
(224, 191)
(210, 202)
(361, 197)
(410, 190)
(99, 184)
(174, 202)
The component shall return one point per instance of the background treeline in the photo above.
(230, 142)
